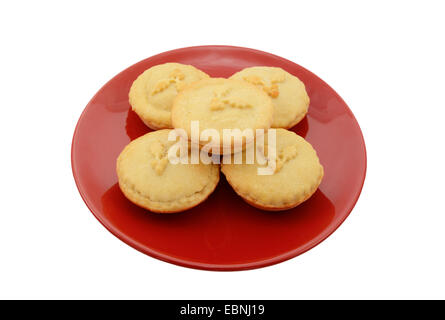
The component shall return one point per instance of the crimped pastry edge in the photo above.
(274, 207)
(176, 205)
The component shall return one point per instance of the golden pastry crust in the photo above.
(297, 175)
(287, 92)
(149, 180)
(219, 103)
(152, 93)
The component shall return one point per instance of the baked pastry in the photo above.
(148, 179)
(294, 179)
(287, 92)
(219, 104)
(152, 93)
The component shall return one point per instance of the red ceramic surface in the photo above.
(223, 233)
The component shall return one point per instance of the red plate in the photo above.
(223, 233)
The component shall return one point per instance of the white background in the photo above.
(386, 59)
